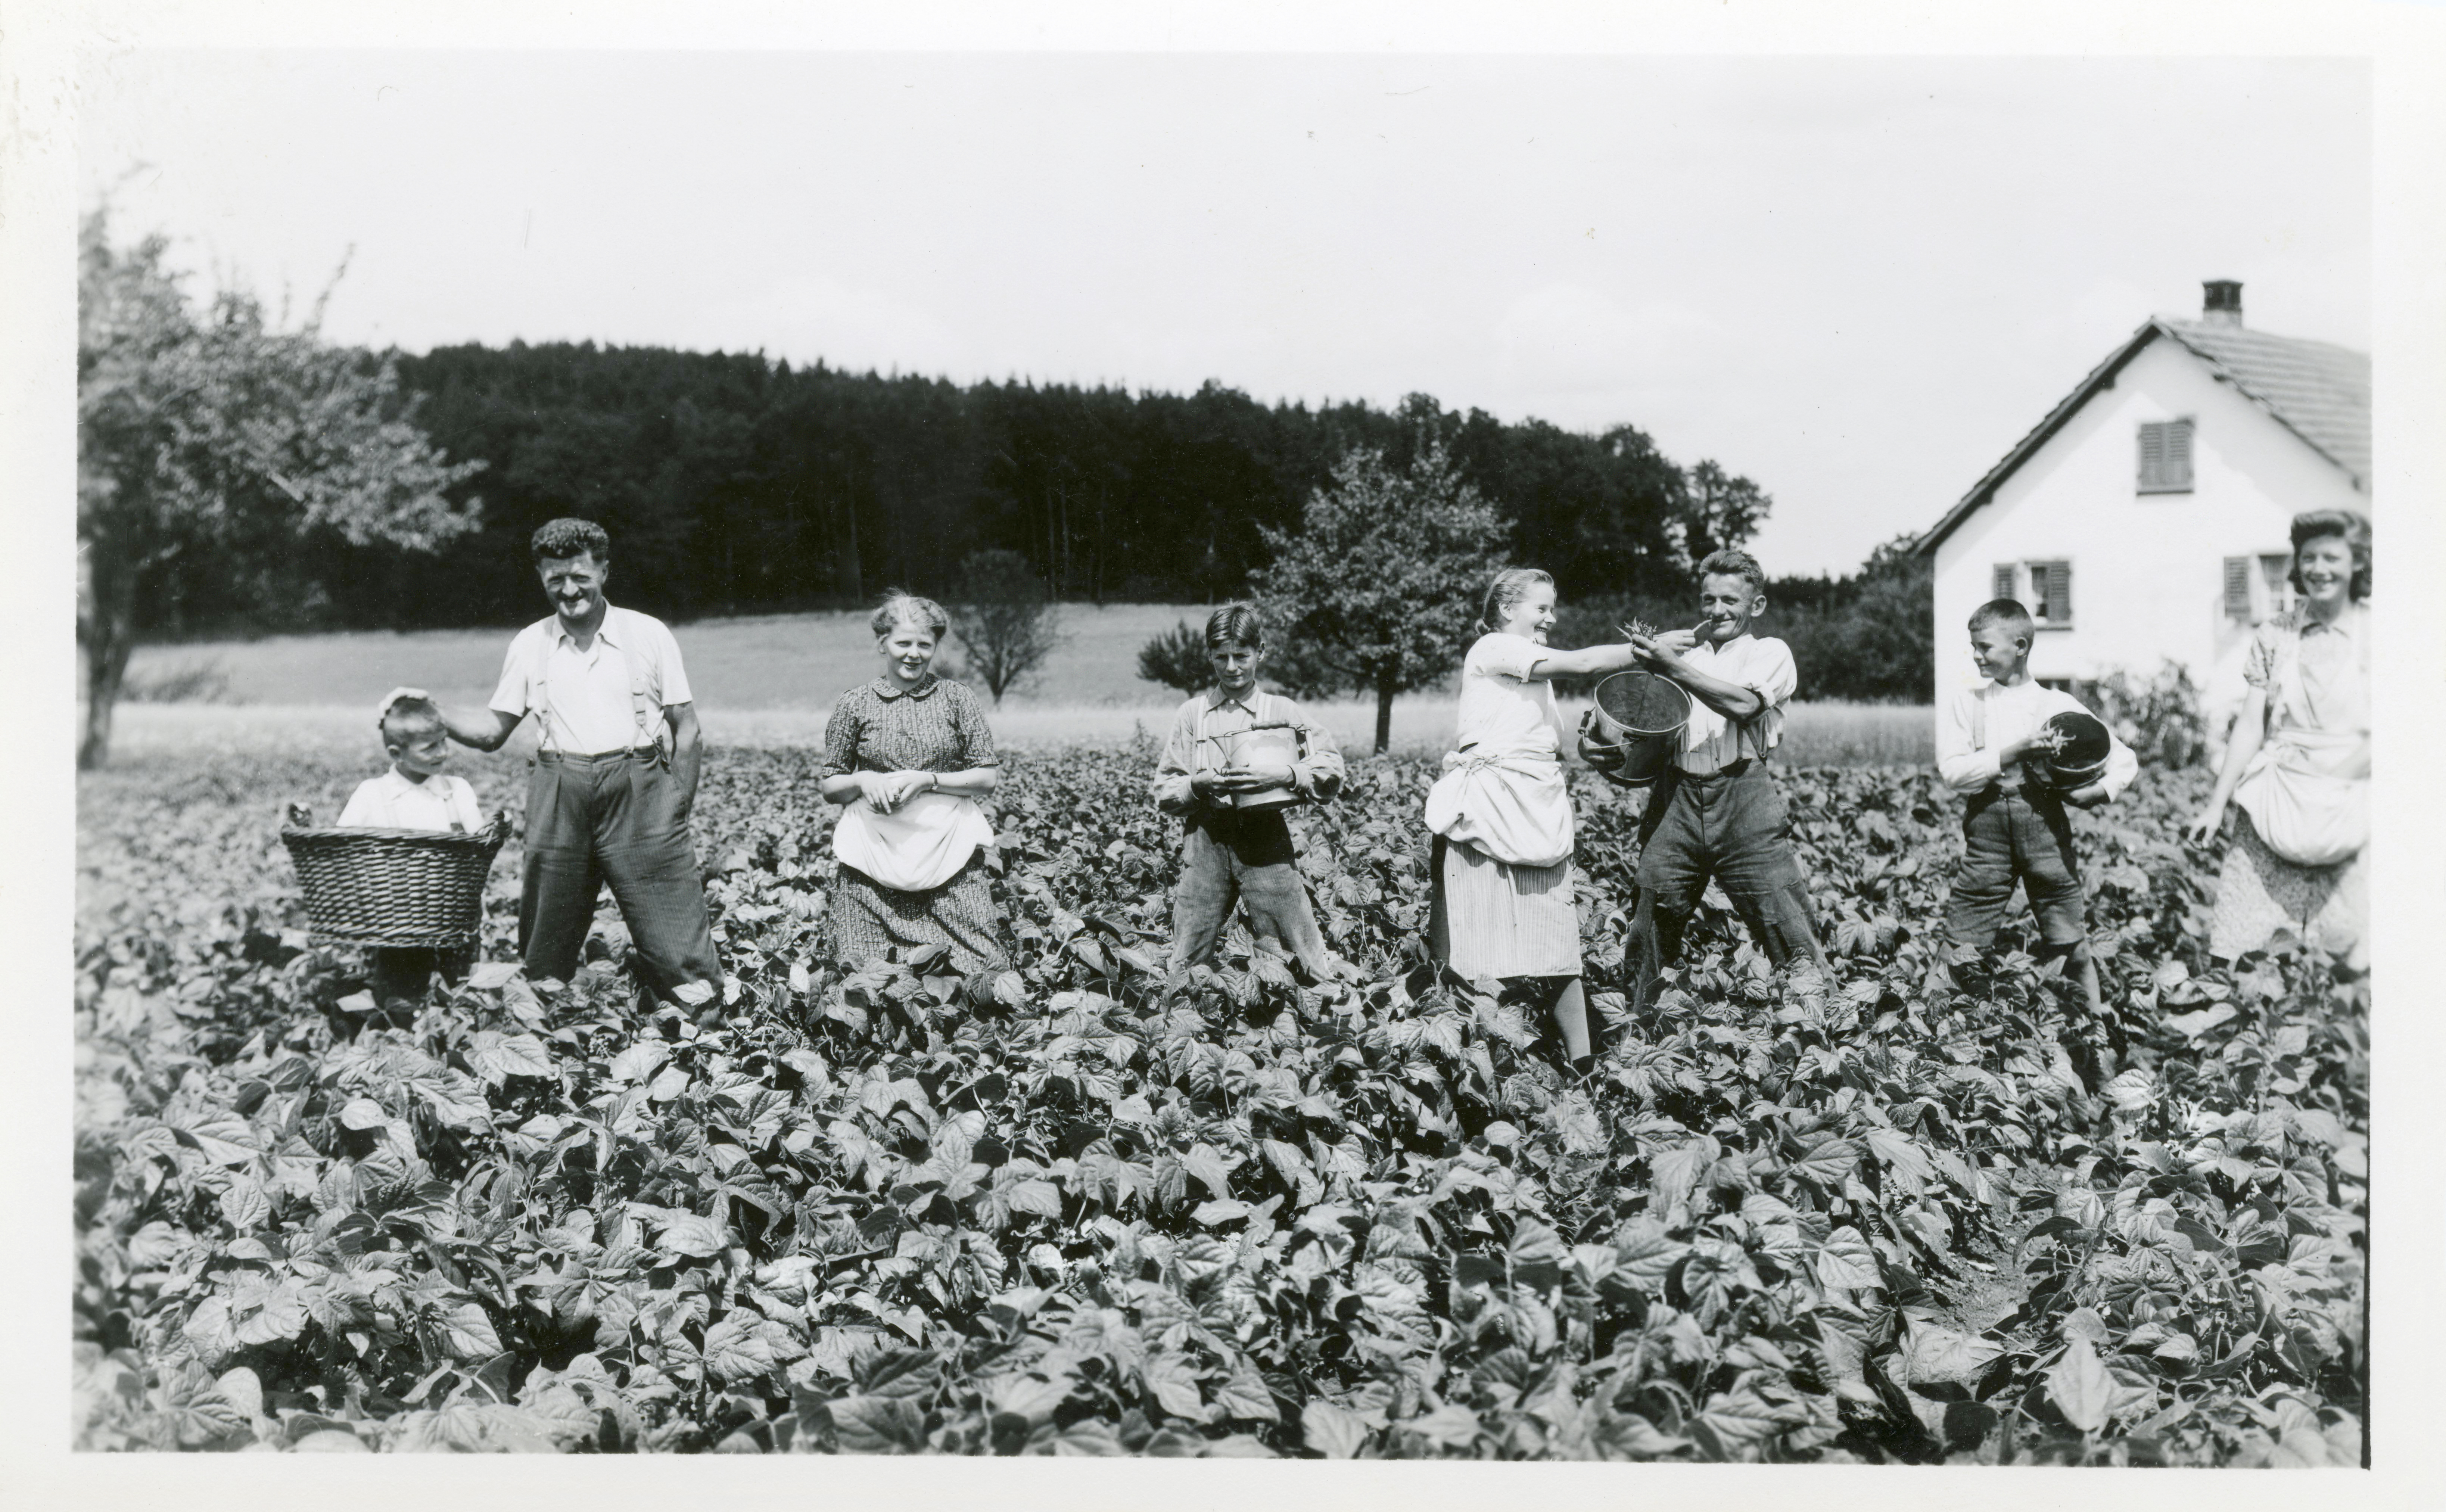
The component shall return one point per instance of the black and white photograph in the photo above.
(842, 737)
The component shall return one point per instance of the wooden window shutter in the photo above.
(2237, 587)
(2058, 593)
(2152, 453)
(2002, 581)
(2178, 453)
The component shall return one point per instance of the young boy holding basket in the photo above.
(1994, 745)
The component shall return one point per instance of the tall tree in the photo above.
(1378, 590)
(1718, 511)
(221, 436)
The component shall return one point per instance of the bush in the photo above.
(1177, 659)
(2160, 719)
(1868, 637)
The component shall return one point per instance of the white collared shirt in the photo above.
(583, 698)
(1968, 764)
(1503, 709)
(1759, 663)
(394, 801)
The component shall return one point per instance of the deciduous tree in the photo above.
(1377, 590)
(214, 433)
(1006, 621)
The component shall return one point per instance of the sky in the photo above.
(1854, 280)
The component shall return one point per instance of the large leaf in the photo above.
(1244, 1394)
(1846, 1260)
(1333, 1431)
(692, 1235)
(2081, 1388)
(878, 1425)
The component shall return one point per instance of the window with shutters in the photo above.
(2043, 588)
(2166, 457)
(2258, 586)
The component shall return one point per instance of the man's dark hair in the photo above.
(2005, 612)
(1734, 563)
(1236, 625)
(562, 539)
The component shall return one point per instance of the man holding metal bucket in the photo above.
(1714, 814)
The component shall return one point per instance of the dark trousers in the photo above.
(402, 974)
(1730, 827)
(2024, 835)
(1247, 859)
(2011, 835)
(593, 819)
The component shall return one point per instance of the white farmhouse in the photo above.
(2144, 518)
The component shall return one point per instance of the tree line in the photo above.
(732, 484)
(236, 477)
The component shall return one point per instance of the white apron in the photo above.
(2296, 789)
(917, 847)
(1511, 805)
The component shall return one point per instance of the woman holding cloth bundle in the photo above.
(908, 756)
(2299, 761)
(1501, 816)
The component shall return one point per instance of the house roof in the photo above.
(2318, 392)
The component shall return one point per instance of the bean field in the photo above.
(1887, 1216)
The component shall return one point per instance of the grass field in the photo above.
(760, 662)
(770, 681)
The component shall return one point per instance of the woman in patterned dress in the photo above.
(906, 756)
(2298, 766)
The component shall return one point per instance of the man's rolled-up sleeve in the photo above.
(1770, 672)
(514, 695)
(671, 671)
(1319, 771)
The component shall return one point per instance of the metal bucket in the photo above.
(2081, 759)
(1262, 745)
(1645, 714)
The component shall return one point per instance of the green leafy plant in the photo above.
(1905, 1211)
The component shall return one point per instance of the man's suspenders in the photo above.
(645, 698)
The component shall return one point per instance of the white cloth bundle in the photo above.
(1511, 805)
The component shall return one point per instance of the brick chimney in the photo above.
(2221, 303)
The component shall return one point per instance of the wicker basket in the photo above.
(394, 887)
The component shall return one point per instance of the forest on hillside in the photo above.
(734, 485)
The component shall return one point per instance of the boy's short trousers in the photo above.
(2020, 835)
(1244, 859)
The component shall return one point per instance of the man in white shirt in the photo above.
(606, 801)
(2014, 826)
(1716, 814)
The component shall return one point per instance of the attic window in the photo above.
(2166, 456)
